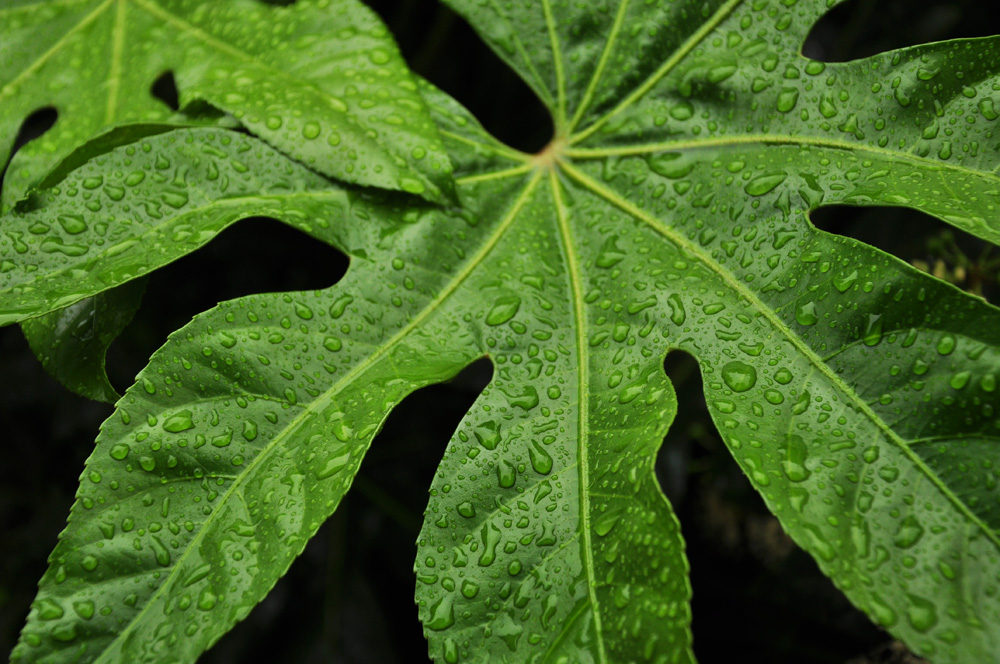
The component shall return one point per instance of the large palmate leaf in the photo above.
(321, 80)
(669, 212)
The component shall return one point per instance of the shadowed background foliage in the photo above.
(757, 598)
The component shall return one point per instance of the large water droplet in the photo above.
(794, 465)
(503, 310)
(442, 614)
(739, 376)
(180, 421)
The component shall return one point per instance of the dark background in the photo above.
(349, 598)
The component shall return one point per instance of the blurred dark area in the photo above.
(349, 598)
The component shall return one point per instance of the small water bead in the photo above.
(48, 609)
(774, 397)
(84, 609)
(873, 333)
(960, 380)
(921, 613)
(909, 533)
(787, 99)
(946, 345)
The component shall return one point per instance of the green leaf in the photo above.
(71, 343)
(670, 212)
(332, 91)
(246, 429)
(138, 208)
(858, 395)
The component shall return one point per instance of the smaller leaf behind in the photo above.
(141, 206)
(322, 81)
(71, 343)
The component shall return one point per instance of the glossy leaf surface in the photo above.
(321, 80)
(670, 212)
(245, 431)
(857, 394)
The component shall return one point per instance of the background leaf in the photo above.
(71, 343)
(322, 81)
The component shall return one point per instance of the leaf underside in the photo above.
(671, 212)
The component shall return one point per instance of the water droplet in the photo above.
(469, 589)
(48, 609)
(503, 310)
(763, 184)
(677, 313)
(491, 538)
(160, 551)
(909, 533)
(670, 165)
(610, 255)
(207, 599)
(873, 333)
(84, 609)
(72, 223)
(442, 614)
(844, 282)
(806, 314)
(946, 345)
(794, 464)
(541, 461)
(960, 380)
(921, 613)
(774, 396)
(739, 376)
(787, 99)
(411, 186)
(180, 421)
(506, 474)
(605, 523)
(487, 435)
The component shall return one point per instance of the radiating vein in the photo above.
(583, 380)
(599, 70)
(115, 73)
(773, 140)
(678, 56)
(557, 62)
